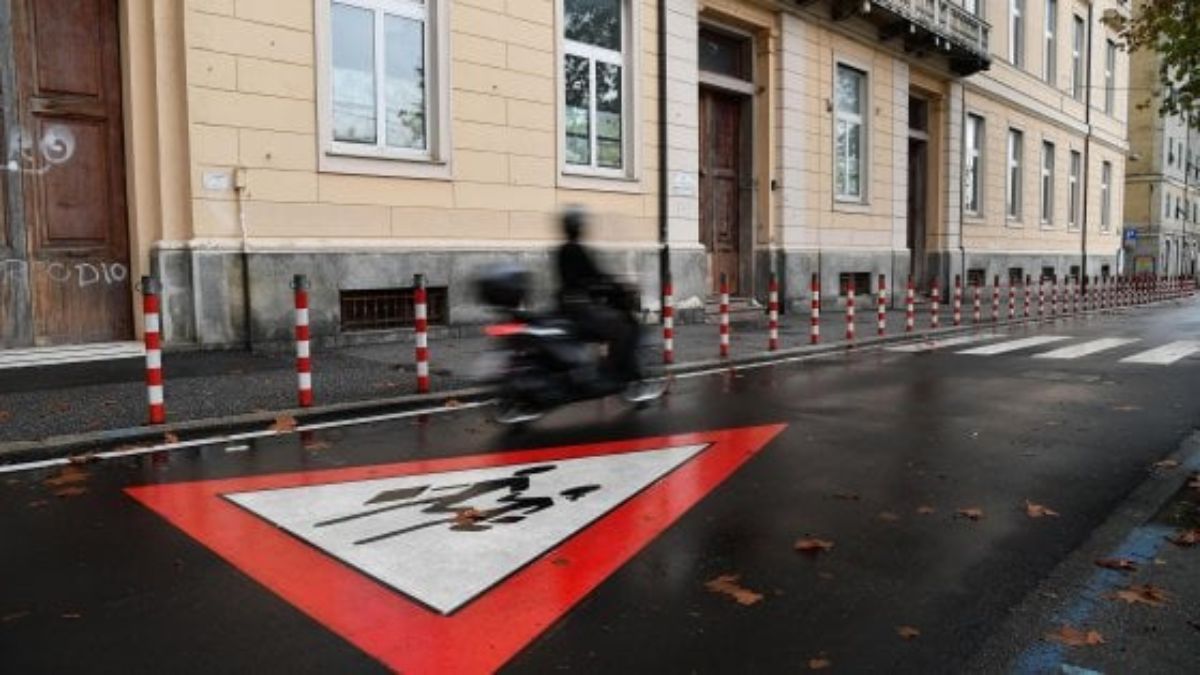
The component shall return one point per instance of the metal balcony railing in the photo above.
(947, 18)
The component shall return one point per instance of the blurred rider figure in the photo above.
(597, 304)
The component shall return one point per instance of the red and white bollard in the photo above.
(958, 295)
(421, 326)
(303, 346)
(935, 294)
(881, 307)
(668, 320)
(151, 288)
(815, 315)
(773, 314)
(1012, 299)
(724, 316)
(850, 309)
(996, 298)
(1054, 297)
(976, 304)
(910, 307)
(1041, 296)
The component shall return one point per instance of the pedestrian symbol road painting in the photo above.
(454, 565)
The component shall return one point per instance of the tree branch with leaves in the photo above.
(1171, 28)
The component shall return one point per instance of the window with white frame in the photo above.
(973, 165)
(1077, 48)
(1110, 74)
(1047, 182)
(1051, 55)
(1106, 196)
(596, 83)
(971, 6)
(849, 165)
(1013, 191)
(1073, 189)
(1016, 32)
(382, 74)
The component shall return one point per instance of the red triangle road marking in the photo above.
(476, 634)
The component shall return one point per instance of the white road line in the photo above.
(1092, 347)
(1014, 345)
(930, 345)
(1166, 354)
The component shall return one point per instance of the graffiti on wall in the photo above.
(56, 146)
(79, 274)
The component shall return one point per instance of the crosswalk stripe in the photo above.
(930, 345)
(1014, 345)
(1092, 347)
(1166, 354)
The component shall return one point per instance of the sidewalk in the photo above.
(38, 403)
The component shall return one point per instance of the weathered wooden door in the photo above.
(720, 183)
(71, 157)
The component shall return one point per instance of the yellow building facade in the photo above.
(360, 142)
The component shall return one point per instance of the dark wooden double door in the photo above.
(64, 239)
(721, 169)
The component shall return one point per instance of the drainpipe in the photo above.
(1087, 155)
(664, 254)
(962, 203)
(239, 187)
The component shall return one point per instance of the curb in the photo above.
(73, 444)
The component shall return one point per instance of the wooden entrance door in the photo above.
(720, 183)
(68, 104)
(918, 188)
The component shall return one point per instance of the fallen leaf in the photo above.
(1073, 637)
(4, 416)
(888, 516)
(970, 513)
(452, 403)
(1038, 511)
(69, 475)
(317, 446)
(1185, 537)
(727, 584)
(819, 664)
(170, 438)
(83, 458)
(908, 632)
(1118, 564)
(813, 546)
(467, 516)
(926, 510)
(1126, 408)
(73, 491)
(1165, 464)
(1144, 594)
(284, 424)
(560, 562)
(847, 496)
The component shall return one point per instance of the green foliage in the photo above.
(1172, 28)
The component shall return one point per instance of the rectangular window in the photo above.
(850, 134)
(1016, 33)
(1047, 182)
(972, 171)
(1110, 74)
(1051, 55)
(1013, 193)
(595, 85)
(380, 59)
(1077, 49)
(1106, 196)
(1016, 276)
(1073, 190)
(971, 6)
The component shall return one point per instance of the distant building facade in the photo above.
(225, 145)
(1162, 188)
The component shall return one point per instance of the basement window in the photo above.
(1016, 276)
(976, 277)
(862, 283)
(389, 308)
(1049, 275)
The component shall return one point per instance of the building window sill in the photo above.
(600, 182)
(333, 162)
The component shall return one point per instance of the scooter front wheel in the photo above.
(510, 412)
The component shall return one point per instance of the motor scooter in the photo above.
(538, 362)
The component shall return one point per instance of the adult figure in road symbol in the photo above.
(600, 306)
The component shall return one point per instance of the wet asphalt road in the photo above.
(880, 451)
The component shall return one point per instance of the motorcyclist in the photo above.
(596, 303)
